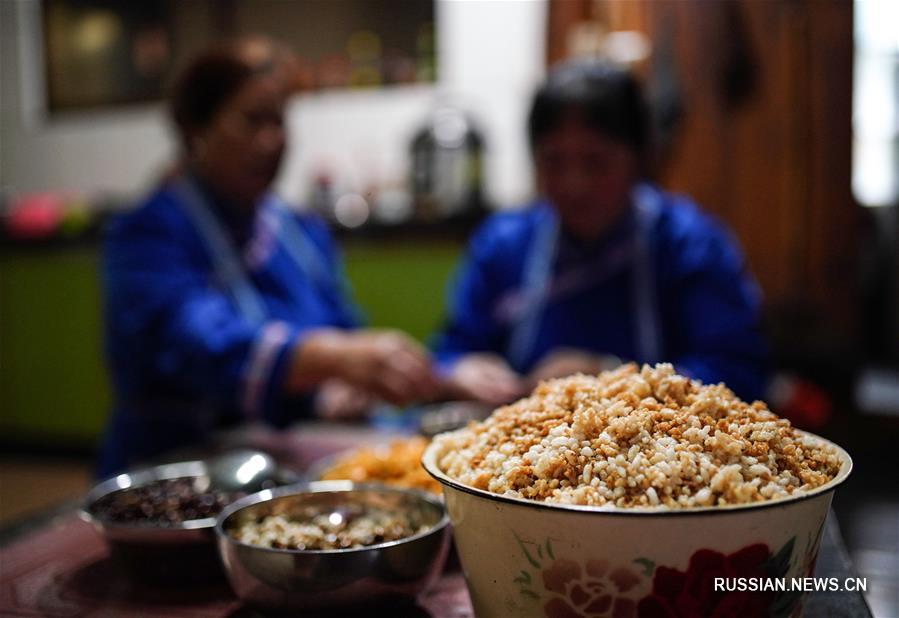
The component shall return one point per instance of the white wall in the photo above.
(492, 55)
(490, 59)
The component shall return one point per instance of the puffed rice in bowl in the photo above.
(332, 546)
(628, 493)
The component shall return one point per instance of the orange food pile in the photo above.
(397, 464)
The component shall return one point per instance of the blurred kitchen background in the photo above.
(780, 117)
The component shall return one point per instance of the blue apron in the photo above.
(537, 277)
(229, 270)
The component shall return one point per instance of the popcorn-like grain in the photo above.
(636, 438)
(323, 532)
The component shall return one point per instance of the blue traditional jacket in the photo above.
(666, 284)
(203, 306)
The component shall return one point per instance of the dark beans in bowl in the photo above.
(165, 502)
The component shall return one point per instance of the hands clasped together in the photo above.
(353, 369)
(488, 377)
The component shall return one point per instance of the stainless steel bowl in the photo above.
(177, 553)
(285, 579)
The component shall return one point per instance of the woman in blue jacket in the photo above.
(221, 304)
(603, 266)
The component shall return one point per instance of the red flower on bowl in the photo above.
(692, 593)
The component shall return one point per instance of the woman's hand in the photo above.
(567, 361)
(386, 363)
(337, 400)
(485, 377)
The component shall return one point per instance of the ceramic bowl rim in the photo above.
(429, 462)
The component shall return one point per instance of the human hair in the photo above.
(606, 97)
(214, 76)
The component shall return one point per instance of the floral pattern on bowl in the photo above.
(596, 588)
(599, 588)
